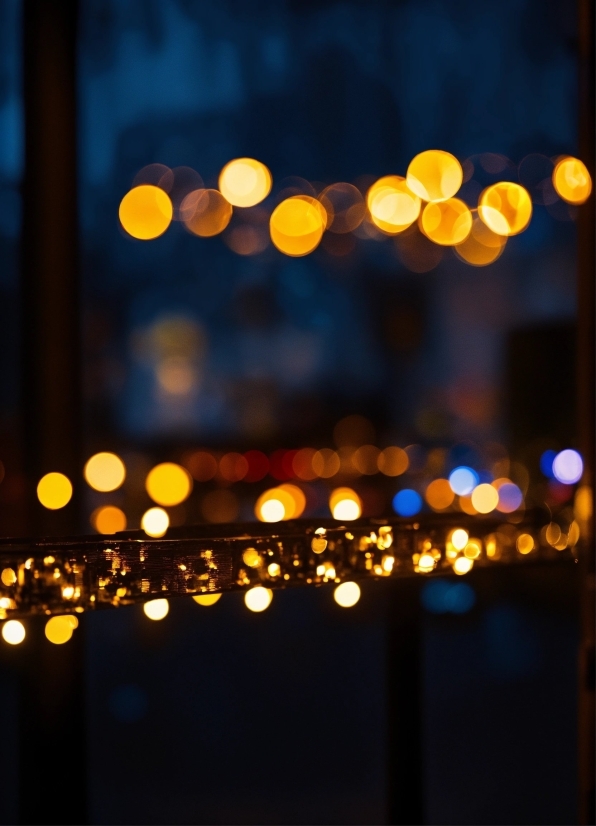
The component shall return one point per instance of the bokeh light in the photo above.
(233, 467)
(145, 212)
(407, 502)
(506, 208)
(8, 577)
(205, 212)
(168, 484)
(245, 182)
(105, 472)
(297, 225)
(392, 205)
(156, 609)
(463, 480)
(60, 629)
(345, 207)
(572, 180)
(393, 461)
(326, 463)
(13, 632)
(546, 463)
(347, 594)
(510, 497)
(108, 519)
(302, 464)
(525, 543)
(446, 223)
(459, 538)
(568, 467)
(201, 465)
(54, 491)
(463, 565)
(439, 494)
(258, 599)
(434, 175)
(366, 460)
(280, 503)
(345, 504)
(485, 498)
(482, 246)
(155, 522)
(207, 599)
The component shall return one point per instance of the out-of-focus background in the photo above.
(227, 357)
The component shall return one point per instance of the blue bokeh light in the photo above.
(546, 463)
(463, 480)
(407, 502)
(439, 596)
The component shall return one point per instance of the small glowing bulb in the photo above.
(273, 569)
(258, 598)
(156, 609)
(13, 632)
(388, 562)
(462, 565)
(426, 563)
(459, 539)
(347, 594)
(155, 522)
(207, 599)
(59, 629)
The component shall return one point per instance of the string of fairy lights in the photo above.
(300, 215)
(425, 199)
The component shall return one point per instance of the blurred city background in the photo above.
(377, 362)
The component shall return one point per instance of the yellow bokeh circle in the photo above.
(347, 594)
(505, 208)
(245, 182)
(145, 212)
(447, 223)
(13, 632)
(279, 504)
(572, 180)
(434, 175)
(108, 519)
(297, 225)
(392, 205)
(345, 504)
(257, 599)
(105, 472)
(485, 498)
(168, 484)
(60, 629)
(54, 491)
(155, 522)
